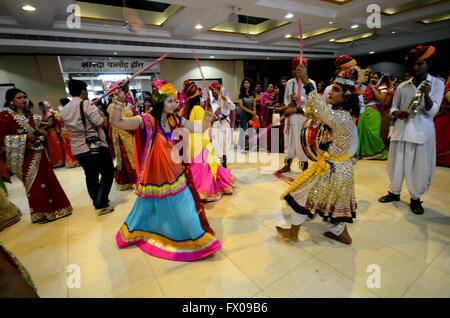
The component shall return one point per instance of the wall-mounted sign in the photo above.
(102, 64)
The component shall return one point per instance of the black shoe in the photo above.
(416, 206)
(389, 198)
(224, 162)
(303, 165)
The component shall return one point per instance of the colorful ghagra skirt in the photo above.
(168, 228)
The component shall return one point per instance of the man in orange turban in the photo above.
(412, 152)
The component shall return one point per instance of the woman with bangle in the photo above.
(266, 101)
(248, 107)
(27, 159)
(211, 179)
(371, 145)
(53, 134)
(122, 143)
(168, 219)
(327, 187)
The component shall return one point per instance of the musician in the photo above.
(223, 106)
(294, 119)
(412, 152)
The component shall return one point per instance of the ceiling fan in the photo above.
(233, 18)
(248, 36)
(132, 21)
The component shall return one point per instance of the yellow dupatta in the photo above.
(197, 115)
(320, 167)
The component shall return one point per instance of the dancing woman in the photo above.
(211, 179)
(122, 144)
(168, 219)
(27, 159)
(327, 187)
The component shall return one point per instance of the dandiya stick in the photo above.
(132, 76)
(299, 81)
(205, 83)
(266, 130)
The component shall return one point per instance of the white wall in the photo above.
(37, 75)
(231, 72)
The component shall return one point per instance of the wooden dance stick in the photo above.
(132, 76)
(205, 83)
(299, 80)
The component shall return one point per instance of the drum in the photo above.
(312, 133)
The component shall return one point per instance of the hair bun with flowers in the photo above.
(161, 90)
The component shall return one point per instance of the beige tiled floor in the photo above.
(412, 251)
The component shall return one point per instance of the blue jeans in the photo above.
(244, 118)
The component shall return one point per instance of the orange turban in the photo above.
(420, 53)
(296, 62)
(344, 61)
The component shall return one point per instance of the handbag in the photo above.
(276, 119)
(93, 142)
(255, 123)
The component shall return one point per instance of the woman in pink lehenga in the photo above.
(211, 179)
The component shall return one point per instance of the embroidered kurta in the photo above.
(327, 187)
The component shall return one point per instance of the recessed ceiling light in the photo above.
(355, 38)
(331, 22)
(372, 52)
(287, 36)
(289, 15)
(267, 58)
(211, 56)
(332, 40)
(115, 53)
(393, 32)
(199, 26)
(354, 26)
(28, 8)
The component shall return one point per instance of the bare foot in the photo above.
(287, 234)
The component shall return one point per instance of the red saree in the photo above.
(29, 162)
(55, 147)
(441, 124)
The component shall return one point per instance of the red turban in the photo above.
(420, 53)
(191, 90)
(215, 85)
(296, 62)
(344, 61)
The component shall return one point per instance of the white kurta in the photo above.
(412, 152)
(222, 133)
(294, 123)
